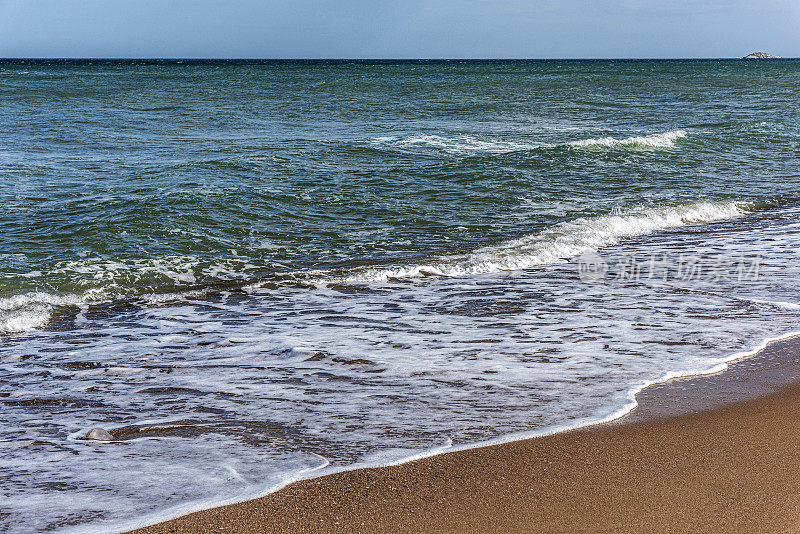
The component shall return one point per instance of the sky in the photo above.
(398, 29)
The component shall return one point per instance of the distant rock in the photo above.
(98, 434)
(761, 55)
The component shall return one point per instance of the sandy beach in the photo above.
(718, 453)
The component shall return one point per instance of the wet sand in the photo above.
(719, 453)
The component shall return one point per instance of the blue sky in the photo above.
(398, 29)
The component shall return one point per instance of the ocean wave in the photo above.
(662, 140)
(466, 144)
(174, 269)
(177, 276)
(102, 279)
(558, 243)
(460, 144)
(21, 313)
(92, 281)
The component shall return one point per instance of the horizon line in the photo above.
(202, 58)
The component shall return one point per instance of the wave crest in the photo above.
(559, 243)
(556, 244)
(466, 144)
(21, 313)
(461, 144)
(662, 140)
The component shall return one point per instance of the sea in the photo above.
(254, 272)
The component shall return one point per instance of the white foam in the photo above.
(608, 341)
(778, 304)
(21, 313)
(176, 269)
(466, 144)
(384, 460)
(558, 243)
(23, 321)
(455, 145)
(188, 508)
(662, 140)
(102, 280)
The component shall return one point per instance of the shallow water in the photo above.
(249, 272)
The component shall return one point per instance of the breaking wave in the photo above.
(466, 144)
(21, 313)
(454, 145)
(91, 281)
(662, 140)
(556, 244)
(560, 242)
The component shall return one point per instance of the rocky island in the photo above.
(761, 55)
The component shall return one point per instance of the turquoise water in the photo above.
(249, 271)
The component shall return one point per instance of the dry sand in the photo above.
(707, 454)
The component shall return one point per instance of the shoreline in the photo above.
(746, 378)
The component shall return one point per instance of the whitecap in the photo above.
(467, 144)
(558, 243)
(454, 145)
(21, 313)
(662, 140)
